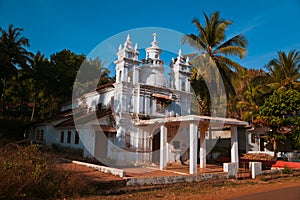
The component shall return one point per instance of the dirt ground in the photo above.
(207, 191)
(220, 189)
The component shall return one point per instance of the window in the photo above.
(120, 75)
(160, 106)
(76, 137)
(99, 106)
(183, 86)
(40, 135)
(69, 137)
(62, 137)
(127, 140)
(253, 136)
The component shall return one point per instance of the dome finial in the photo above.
(127, 44)
(154, 43)
(187, 60)
(179, 53)
(128, 37)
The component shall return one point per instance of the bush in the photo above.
(27, 173)
(286, 170)
(263, 178)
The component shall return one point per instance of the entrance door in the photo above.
(156, 147)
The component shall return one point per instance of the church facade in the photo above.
(142, 118)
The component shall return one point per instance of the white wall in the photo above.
(87, 137)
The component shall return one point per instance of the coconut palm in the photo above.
(211, 40)
(284, 71)
(250, 95)
(38, 75)
(13, 48)
(13, 53)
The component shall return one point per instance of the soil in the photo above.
(92, 174)
(219, 189)
(201, 190)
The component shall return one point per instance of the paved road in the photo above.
(292, 193)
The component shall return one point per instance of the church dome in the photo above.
(155, 78)
(152, 72)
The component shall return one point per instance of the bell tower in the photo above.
(127, 77)
(180, 73)
(127, 60)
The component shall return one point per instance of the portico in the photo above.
(197, 127)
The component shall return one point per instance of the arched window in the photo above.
(183, 86)
(120, 75)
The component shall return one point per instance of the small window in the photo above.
(127, 140)
(183, 86)
(76, 137)
(253, 136)
(99, 106)
(62, 137)
(40, 135)
(120, 75)
(69, 137)
(156, 56)
(160, 106)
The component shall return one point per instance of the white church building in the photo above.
(143, 118)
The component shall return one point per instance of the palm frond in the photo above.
(233, 51)
(238, 40)
(230, 63)
(194, 41)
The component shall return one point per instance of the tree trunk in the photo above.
(33, 110)
(275, 148)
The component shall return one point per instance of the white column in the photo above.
(135, 75)
(193, 147)
(202, 150)
(163, 147)
(234, 145)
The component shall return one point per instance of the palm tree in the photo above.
(12, 53)
(38, 75)
(250, 93)
(284, 71)
(211, 40)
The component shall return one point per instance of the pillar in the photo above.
(193, 147)
(163, 147)
(135, 75)
(202, 152)
(234, 145)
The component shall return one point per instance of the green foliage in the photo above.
(281, 109)
(280, 112)
(284, 71)
(27, 173)
(263, 178)
(287, 170)
(32, 87)
(215, 50)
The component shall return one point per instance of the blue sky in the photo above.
(80, 26)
